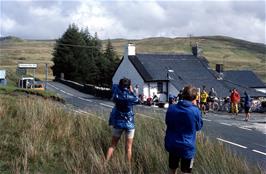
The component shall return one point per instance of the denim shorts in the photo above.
(118, 132)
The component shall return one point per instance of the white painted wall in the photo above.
(172, 89)
(126, 69)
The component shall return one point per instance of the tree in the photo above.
(71, 57)
(66, 55)
(92, 68)
(80, 57)
(112, 61)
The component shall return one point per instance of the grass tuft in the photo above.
(39, 136)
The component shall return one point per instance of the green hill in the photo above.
(233, 53)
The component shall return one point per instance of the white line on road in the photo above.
(53, 86)
(145, 116)
(106, 105)
(69, 94)
(206, 119)
(245, 128)
(263, 153)
(229, 142)
(226, 124)
(84, 99)
(62, 91)
(87, 113)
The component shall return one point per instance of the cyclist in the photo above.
(211, 98)
(203, 100)
(235, 99)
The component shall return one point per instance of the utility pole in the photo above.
(46, 75)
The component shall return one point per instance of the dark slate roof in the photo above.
(188, 69)
(241, 89)
(140, 68)
(244, 78)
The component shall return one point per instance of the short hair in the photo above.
(189, 93)
(124, 83)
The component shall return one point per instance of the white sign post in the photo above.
(27, 66)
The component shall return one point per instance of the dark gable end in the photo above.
(121, 60)
(140, 68)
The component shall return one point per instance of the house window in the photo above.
(160, 87)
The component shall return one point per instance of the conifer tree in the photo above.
(69, 53)
(80, 57)
(112, 60)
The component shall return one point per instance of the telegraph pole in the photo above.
(46, 75)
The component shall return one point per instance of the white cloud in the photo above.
(135, 19)
(7, 23)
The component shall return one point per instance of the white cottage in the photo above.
(166, 74)
(147, 86)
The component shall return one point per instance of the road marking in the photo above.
(206, 119)
(87, 113)
(53, 86)
(84, 99)
(69, 94)
(263, 153)
(226, 124)
(62, 91)
(245, 128)
(106, 105)
(229, 142)
(145, 116)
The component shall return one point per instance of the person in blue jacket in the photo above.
(122, 116)
(247, 105)
(182, 120)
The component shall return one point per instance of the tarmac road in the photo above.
(246, 139)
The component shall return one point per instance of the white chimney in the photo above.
(130, 49)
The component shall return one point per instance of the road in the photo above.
(246, 139)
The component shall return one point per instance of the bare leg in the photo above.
(248, 116)
(129, 142)
(112, 147)
(172, 171)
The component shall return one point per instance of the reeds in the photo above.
(40, 136)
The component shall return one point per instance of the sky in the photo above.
(135, 19)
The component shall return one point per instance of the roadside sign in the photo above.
(27, 66)
(21, 71)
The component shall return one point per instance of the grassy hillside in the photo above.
(14, 51)
(40, 136)
(233, 53)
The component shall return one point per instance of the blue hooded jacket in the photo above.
(122, 115)
(247, 101)
(183, 120)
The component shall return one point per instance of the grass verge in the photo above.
(39, 136)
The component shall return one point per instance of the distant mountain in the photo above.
(11, 38)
